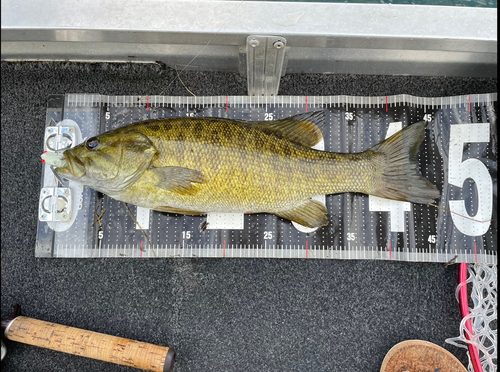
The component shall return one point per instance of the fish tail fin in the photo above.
(396, 165)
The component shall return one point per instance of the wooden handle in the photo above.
(90, 344)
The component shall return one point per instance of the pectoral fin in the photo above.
(177, 179)
(303, 129)
(311, 214)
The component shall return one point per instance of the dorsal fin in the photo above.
(303, 129)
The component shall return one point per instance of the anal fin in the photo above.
(311, 213)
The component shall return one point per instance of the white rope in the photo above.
(483, 316)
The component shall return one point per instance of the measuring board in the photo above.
(458, 155)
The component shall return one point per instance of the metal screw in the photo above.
(278, 44)
(44, 216)
(254, 43)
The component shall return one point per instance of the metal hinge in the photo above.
(265, 57)
(56, 200)
(55, 204)
(59, 138)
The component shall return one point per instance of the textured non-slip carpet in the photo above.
(218, 314)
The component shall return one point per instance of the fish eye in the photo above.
(92, 143)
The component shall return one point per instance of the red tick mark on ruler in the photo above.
(307, 249)
(475, 253)
(224, 250)
(142, 243)
(390, 251)
(306, 103)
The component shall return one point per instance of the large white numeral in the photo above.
(395, 208)
(459, 171)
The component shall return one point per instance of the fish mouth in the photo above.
(74, 166)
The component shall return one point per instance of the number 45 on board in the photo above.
(459, 171)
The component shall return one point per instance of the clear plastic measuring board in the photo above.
(458, 155)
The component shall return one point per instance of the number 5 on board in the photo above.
(459, 171)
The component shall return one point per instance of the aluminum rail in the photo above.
(377, 39)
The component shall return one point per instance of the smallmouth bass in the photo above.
(198, 165)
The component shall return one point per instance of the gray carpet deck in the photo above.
(218, 314)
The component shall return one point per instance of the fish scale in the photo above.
(241, 148)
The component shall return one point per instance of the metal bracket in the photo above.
(265, 59)
(55, 204)
(59, 138)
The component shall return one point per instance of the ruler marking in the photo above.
(463, 102)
